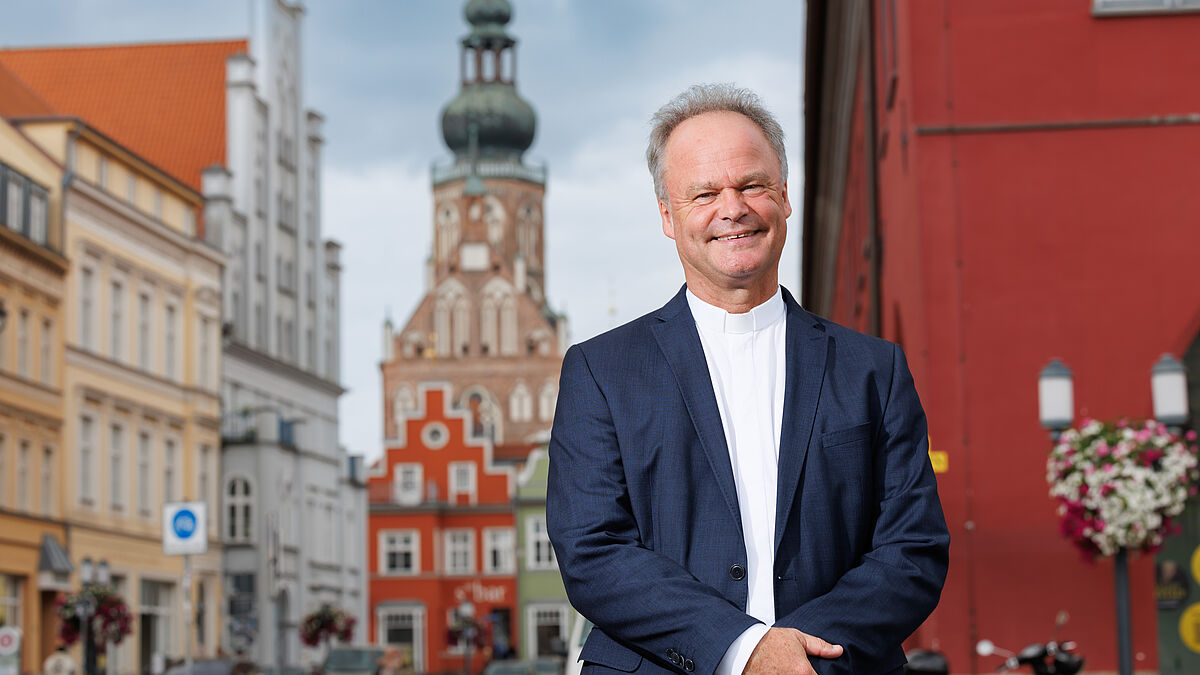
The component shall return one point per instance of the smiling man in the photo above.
(736, 485)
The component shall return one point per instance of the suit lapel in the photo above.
(807, 346)
(680, 343)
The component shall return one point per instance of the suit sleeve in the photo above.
(876, 605)
(635, 595)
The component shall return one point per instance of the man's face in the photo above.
(726, 208)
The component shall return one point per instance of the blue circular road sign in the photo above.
(184, 523)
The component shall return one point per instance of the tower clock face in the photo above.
(494, 218)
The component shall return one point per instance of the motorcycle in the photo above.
(1050, 658)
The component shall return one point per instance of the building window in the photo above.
(116, 332)
(15, 211)
(38, 226)
(116, 473)
(170, 358)
(237, 510)
(47, 356)
(203, 480)
(144, 331)
(143, 473)
(548, 628)
(87, 299)
(498, 550)
(204, 375)
(407, 481)
(1102, 7)
(10, 600)
(158, 204)
(399, 552)
(508, 326)
(23, 477)
(462, 482)
(547, 398)
(131, 187)
(460, 551)
(170, 493)
(539, 554)
(404, 629)
(102, 172)
(23, 344)
(86, 468)
(47, 481)
(520, 403)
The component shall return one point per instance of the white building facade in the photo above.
(293, 501)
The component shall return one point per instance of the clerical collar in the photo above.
(714, 319)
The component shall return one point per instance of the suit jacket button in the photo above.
(737, 572)
(689, 666)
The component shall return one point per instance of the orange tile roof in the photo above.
(18, 100)
(165, 101)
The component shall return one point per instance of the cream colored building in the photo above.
(32, 278)
(142, 373)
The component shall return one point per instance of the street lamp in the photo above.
(90, 575)
(1056, 398)
(1056, 408)
(1168, 387)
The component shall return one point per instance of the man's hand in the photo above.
(785, 651)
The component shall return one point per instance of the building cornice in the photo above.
(255, 357)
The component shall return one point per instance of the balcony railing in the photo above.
(533, 173)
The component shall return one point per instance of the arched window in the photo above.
(239, 522)
(488, 339)
(508, 326)
(486, 416)
(546, 401)
(462, 325)
(441, 326)
(520, 403)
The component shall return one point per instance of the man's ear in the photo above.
(787, 205)
(668, 225)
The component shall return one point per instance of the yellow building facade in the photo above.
(32, 288)
(142, 370)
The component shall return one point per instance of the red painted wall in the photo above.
(1002, 250)
(436, 591)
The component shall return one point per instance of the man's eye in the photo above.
(705, 196)
(754, 188)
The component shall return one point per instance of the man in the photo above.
(737, 486)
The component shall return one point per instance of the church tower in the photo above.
(484, 324)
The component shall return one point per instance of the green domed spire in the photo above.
(504, 123)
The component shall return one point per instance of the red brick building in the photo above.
(992, 185)
(440, 532)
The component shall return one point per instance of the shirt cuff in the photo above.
(734, 661)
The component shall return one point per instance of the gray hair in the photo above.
(705, 98)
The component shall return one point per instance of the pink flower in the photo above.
(1190, 435)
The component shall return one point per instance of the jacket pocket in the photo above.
(857, 433)
(605, 651)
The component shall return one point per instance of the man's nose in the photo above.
(731, 204)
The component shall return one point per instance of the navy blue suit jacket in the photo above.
(643, 513)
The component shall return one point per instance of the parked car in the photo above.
(352, 660)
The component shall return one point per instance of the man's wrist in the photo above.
(738, 653)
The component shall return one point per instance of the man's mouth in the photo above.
(739, 235)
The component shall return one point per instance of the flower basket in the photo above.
(110, 621)
(326, 623)
(1120, 486)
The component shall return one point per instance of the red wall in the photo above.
(1004, 249)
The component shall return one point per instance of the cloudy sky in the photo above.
(380, 72)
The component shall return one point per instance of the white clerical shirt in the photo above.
(746, 359)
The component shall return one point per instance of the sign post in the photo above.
(185, 531)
